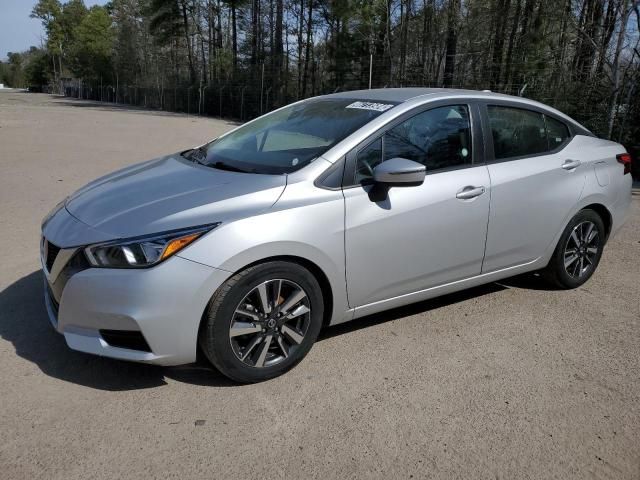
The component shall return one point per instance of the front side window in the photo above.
(368, 158)
(291, 138)
(438, 138)
(519, 133)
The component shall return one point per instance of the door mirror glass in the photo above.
(399, 171)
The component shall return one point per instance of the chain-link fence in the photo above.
(258, 89)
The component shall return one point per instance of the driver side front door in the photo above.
(417, 237)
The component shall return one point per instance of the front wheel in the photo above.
(578, 252)
(262, 321)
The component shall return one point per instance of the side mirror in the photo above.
(399, 171)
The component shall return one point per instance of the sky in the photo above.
(17, 31)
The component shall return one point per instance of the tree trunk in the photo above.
(307, 54)
(277, 45)
(234, 36)
(452, 42)
(512, 39)
(255, 9)
(185, 21)
(300, 32)
(615, 67)
(498, 42)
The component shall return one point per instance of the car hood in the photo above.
(171, 193)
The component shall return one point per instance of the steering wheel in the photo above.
(367, 166)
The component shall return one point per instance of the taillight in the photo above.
(625, 160)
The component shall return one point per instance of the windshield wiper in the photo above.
(229, 168)
(197, 155)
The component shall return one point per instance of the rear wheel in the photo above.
(578, 252)
(262, 321)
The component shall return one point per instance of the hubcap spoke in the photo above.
(587, 234)
(301, 310)
(295, 297)
(570, 260)
(264, 351)
(264, 299)
(574, 237)
(285, 350)
(276, 292)
(256, 340)
(248, 313)
(244, 328)
(576, 269)
(292, 334)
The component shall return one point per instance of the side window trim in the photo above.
(478, 151)
(488, 137)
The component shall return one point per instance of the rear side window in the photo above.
(516, 132)
(519, 133)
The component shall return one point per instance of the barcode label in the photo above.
(378, 107)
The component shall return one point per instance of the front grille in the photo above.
(129, 339)
(76, 264)
(52, 254)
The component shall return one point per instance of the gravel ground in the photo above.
(509, 380)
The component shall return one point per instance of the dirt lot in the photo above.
(504, 381)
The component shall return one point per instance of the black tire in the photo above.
(556, 272)
(214, 335)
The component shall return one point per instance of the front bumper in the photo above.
(164, 303)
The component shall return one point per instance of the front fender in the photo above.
(313, 232)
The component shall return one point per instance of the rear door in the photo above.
(403, 239)
(534, 182)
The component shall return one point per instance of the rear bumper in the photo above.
(621, 209)
(164, 303)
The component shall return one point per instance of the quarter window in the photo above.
(438, 138)
(519, 133)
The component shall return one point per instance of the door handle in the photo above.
(571, 164)
(470, 192)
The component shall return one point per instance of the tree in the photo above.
(209, 55)
(92, 44)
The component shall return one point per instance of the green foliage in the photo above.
(26, 69)
(36, 70)
(92, 45)
(561, 52)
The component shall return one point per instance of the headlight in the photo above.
(141, 252)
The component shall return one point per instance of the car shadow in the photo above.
(24, 323)
(529, 281)
(408, 310)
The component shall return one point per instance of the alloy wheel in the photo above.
(270, 323)
(581, 250)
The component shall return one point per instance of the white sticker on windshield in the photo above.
(378, 107)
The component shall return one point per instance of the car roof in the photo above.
(401, 95)
(404, 94)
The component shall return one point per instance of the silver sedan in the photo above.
(321, 212)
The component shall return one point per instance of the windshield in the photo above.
(290, 138)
